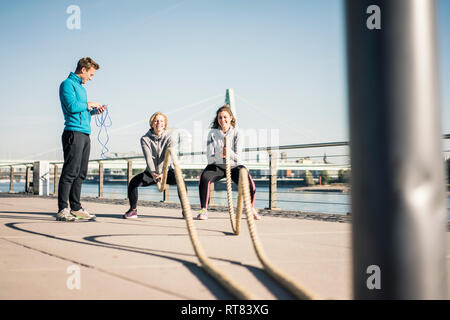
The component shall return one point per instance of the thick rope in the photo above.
(244, 192)
(234, 219)
(230, 285)
(243, 198)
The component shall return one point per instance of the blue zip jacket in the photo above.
(74, 105)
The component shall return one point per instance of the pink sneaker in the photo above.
(256, 215)
(130, 214)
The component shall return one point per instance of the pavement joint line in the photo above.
(99, 269)
(109, 246)
(303, 233)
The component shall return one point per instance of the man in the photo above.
(75, 139)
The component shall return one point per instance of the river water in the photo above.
(324, 202)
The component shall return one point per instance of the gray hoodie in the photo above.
(154, 148)
(214, 146)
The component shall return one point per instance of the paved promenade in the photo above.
(152, 257)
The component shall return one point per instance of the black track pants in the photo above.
(76, 148)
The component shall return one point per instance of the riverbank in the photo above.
(319, 216)
(337, 187)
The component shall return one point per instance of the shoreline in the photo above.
(342, 188)
(342, 218)
(319, 216)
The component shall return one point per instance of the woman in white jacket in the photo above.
(154, 146)
(223, 125)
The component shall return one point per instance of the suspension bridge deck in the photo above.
(152, 257)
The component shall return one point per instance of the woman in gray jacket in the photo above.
(154, 146)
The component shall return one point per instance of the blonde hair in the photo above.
(152, 119)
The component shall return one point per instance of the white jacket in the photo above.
(215, 143)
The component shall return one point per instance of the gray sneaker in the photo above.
(64, 215)
(82, 214)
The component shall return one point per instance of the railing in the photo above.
(272, 165)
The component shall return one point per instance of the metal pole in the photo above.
(129, 171)
(11, 179)
(28, 179)
(100, 179)
(398, 194)
(55, 180)
(273, 180)
(166, 194)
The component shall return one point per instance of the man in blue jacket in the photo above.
(75, 139)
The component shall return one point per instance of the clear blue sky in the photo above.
(284, 58)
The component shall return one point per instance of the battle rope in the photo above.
(243, 197)
(206, 264)
(244, 192)
(101, 122)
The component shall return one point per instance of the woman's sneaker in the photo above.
(130, 214)
(82, 214)
(203, 215)
(64, 215)
(256, 215)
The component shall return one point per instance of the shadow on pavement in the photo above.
(215, 288)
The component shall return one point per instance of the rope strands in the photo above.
(234, 219)
(243, 202)
(229, 284)
(244, 195)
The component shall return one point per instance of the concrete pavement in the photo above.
(152, 257)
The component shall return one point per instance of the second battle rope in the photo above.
(244, 196)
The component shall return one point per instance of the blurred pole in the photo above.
(55, 180)
(101, 173)
(11, 179)
(166, 194)
(28, 176)
(399, 210)
(273, 158)
(129, 171)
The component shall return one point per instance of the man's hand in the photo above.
(96, 108)
(93, 105)
(101, 109)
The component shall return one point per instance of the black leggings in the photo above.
(145, 179)
(213, 173)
